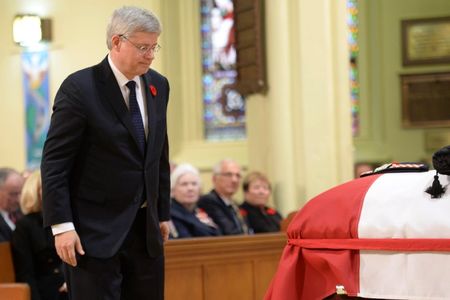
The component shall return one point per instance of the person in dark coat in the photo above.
(260, 217)
(35, 259)
(11, 183)
(105, 167)
(187, 220)
(219, 203)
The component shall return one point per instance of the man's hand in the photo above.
(66, 244)
(63, 288)
(164, 227)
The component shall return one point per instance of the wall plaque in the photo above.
(426, 41)
(426, 100)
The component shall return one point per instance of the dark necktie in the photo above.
(237, 218)
(136, 117)
(14, 216)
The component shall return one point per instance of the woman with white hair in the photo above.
(187, 219)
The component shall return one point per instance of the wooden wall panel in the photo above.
(184, 283)
(9, 289)
(264, 271)
(249, 24)
(6, 264)
(229, 281)
(222, 268)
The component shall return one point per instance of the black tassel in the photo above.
(436, 190)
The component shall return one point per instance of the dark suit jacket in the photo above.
(35, 259)
(5, 230)
(220, 213)
(261, 220)
(93, 171)
(187, 224)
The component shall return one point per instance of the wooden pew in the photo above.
(231, 267)
(9, 290)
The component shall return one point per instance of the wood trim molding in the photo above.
(214, 249)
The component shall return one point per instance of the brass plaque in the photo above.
(426, 41)
(426, 100)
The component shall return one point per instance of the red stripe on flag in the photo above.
(313, 273)
(406, 245)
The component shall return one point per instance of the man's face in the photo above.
(228, 180)
(130, 60)
(10, 193)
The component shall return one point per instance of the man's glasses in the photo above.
(143, 49)
(230, 175)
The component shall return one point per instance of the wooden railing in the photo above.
(232, 267)
(8, 288)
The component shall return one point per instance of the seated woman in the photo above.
(187, 220)
(257, 191)
(35, 258)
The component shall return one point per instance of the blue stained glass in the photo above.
(224, 108)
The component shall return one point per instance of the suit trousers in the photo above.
(131, 274)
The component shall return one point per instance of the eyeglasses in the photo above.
(143, 49)
(230, 175)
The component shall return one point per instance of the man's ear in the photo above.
(115, 41)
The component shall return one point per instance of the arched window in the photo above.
(224, 107)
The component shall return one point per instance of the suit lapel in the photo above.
(225, 207)
(110, 88)
(151, 112)
(5, 230)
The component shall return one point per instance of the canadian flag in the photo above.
(380, 236)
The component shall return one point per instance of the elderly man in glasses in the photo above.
(105, 168)
(219, 204)
(11, 183)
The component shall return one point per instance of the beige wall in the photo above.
(298, 133)
(79, 41)
(382, 137)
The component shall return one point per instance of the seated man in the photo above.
(219, 205)
(11, 183)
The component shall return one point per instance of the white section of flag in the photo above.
(396, 206)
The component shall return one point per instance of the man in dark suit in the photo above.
(5, 230)
(105, 168)
(11, 183)
(219, 204)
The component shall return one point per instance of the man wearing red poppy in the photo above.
(260, 217)
(219, 204)
(105, 168)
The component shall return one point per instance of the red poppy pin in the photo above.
(271, 211)
(243, 212)
(153, 90)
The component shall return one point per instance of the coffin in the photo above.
(380, 236)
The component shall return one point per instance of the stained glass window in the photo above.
(352, 6)
(224, 108)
